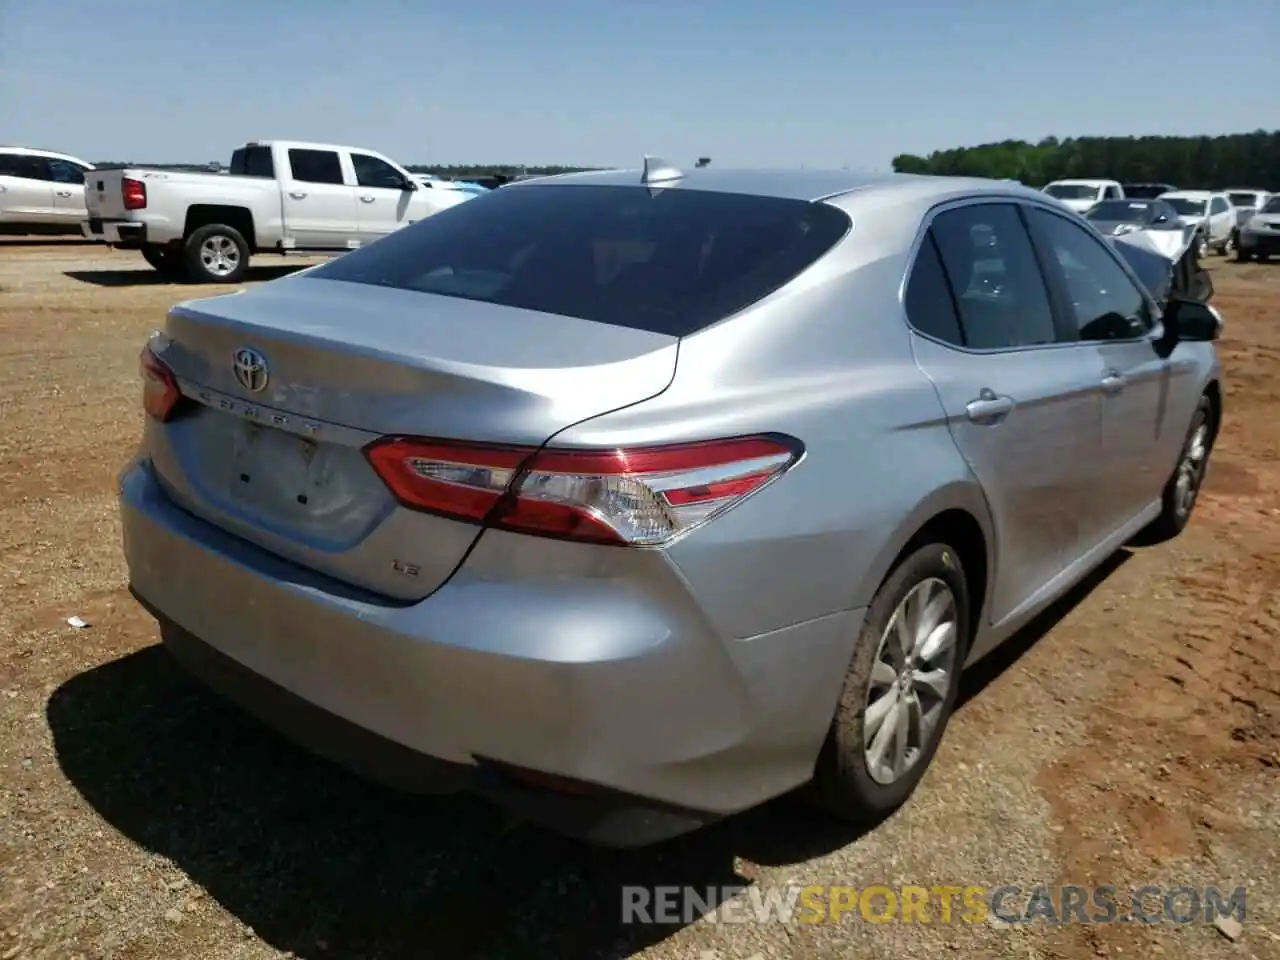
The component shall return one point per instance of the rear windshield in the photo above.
(668, 261)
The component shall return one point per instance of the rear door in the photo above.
(384, 197)
(1143, 418)
(1021, 402)
(1221, 219)
(68, 180)
(319, 205)
(27, 191)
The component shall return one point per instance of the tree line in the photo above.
(1235, 160)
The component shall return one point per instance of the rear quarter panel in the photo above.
(827, 360)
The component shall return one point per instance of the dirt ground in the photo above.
(1131, 737)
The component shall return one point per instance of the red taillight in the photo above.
(134, 193)
(639, 497)
(160, 393)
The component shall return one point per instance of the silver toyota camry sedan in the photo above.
(632, 499)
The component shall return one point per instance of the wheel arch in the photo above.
(957, 515)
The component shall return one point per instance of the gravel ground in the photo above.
(1130, 737)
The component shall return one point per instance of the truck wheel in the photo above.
(1243, 256)
(216, 253)
(166, 260)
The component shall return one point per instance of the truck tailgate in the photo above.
(103, 196)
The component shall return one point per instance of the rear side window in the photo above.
(253, 162)
(669, 261)
(316, 166)
(25, 166)
(930, 307)
(994, 277)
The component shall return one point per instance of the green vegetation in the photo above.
(1237, 160)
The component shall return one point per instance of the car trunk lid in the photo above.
(293, 379)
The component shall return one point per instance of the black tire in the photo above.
(842, 784)
(1243, 256)
(1175, 513)
(165, 260)
(201, 268)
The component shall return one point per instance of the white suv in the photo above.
(41, 191)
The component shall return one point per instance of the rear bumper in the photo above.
(660, 725)
(122, 233)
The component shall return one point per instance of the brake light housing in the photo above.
(133, 193)
(640, 497)
(160, 392)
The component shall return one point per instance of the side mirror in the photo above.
(410, 185)
(1192, 320)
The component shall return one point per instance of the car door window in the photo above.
(64, 171)
(1106, 303)
(928, 301)
(30, 168)
(1217, 205)
(315, 166)
(373, 172)
(992, 273)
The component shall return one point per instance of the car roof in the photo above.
(37, 152)
(1189, 194)
(1083, 181)
(793, 184)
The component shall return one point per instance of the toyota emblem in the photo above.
(251, 369)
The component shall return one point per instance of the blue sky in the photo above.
(749, 83)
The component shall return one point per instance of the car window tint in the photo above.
(28, 167)
(253, 162)
(992, 271)
(930, 307)
(64, 171)
(315, 166)
(667, 261)
(1218, 205)
(372, 172)
(1106, 304)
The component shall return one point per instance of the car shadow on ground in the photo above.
(323, 864)
(146, 277)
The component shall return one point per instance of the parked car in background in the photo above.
(1125, 216)
(1246, 202)
(1080, 195)
(432, 182)
(1147, 191)
(1259, 236)
(1210, 213)
(280, 197)
(453, 494)
(41, 191)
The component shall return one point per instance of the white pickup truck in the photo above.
(281, 197)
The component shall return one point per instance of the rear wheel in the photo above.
(1243, 256)
(899, 690)
(216, 253)
(166, 260)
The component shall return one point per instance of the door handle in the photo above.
(366, 199)
(988, 408)
(64, 193)
(1113, 382)
(297, 194)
